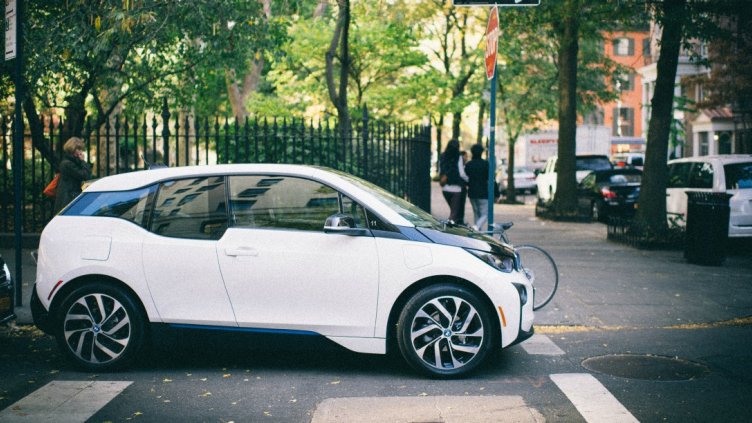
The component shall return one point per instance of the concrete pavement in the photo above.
(602, 284)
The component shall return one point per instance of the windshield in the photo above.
(411, 212)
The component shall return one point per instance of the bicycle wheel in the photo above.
(542, 272)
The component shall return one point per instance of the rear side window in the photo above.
(701, 175)
(678, 175)
(738, 175)
(128, 205)
(193, 208)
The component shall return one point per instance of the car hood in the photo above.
(460, 236)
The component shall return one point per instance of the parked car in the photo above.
(524, 180)
(6, 293)
(585, 163)
(636, 160)
(731, 174)
(273, 248)
(605, 193)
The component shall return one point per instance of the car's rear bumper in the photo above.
(39, 313)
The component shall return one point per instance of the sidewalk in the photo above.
(602, 284)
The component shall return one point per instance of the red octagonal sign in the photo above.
(492, 42)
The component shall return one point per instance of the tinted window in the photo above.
(593, 163)
(282, 202)
(678, 175)
(701, 175)
(191, 208)
(128, 205)
(738, 175)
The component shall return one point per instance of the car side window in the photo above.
(129, 205)
(191, 208)
(678, 175)
(701, 175)
(282, 202)
(356, 211)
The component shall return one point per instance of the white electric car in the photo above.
(282, 248)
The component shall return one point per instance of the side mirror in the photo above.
(537, 172)
(344, 224)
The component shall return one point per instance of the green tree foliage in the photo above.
(106, 55)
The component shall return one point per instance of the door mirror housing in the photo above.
(343, 223)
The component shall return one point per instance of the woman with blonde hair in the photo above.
(73, 172)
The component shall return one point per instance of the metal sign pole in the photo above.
(492, 153)
(18, 153)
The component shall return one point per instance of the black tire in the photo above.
(95, 340)
(461, 344)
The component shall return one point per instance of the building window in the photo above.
(646, 47)
(623, 46)
(623, 125)
(625, 82)
(703, 143)
(724, 142)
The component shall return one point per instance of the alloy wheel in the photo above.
(97, 328)
(447, 333)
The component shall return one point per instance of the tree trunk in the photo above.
(481, 116)
(651, 216)
(339, 98)
(456, 125)
(565, 201)
(511, 189)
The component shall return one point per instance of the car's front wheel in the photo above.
(445, 331)
(100, 327)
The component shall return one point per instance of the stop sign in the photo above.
(492, 41)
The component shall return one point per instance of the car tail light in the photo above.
(607, 193)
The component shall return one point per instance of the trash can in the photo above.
(707, 227)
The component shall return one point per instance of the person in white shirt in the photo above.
(455, 189)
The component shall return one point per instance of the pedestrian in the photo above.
(477, 187)
(454, 190)
(73, 172)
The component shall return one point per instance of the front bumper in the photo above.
(522, 336)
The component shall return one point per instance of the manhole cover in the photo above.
(646, 367)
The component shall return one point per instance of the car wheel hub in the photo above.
(97, 328)
(447, 333)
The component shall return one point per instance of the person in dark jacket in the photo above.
(73, 172)
(477, 188)
(454, 191)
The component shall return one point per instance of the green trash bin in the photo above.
(707, 227)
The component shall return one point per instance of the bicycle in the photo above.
(539, 267)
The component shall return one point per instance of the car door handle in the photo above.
(241, 251)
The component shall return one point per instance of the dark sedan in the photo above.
(605, 193)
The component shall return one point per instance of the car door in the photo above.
(676, 198)
(180, 252)
(283, 272)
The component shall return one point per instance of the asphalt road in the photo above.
(632, 335)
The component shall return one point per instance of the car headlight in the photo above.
(499, 262)
(7, 272)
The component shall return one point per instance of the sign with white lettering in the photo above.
(10, 29)
(492, 42)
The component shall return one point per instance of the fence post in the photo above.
(166, 132)
(419, 185)
(366, 176)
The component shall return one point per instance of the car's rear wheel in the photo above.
(445, 331)
(100, 327)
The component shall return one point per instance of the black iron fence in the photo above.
(393, 156)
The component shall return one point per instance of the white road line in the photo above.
(63, 402)
(594, 402)
(447, 409)
(541, 345)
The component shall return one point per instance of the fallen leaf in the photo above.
(423, 394)
(266, 413)
(203, 379)
(166, 380)
(226, 375)
(335, 382)
(206, 394)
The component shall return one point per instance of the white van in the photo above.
(731, 174)
(585, 163)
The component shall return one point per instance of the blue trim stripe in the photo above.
(239, 329)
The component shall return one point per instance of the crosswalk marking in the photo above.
(63, 402)
(541, 345)
(594, 402)
(447, 409)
